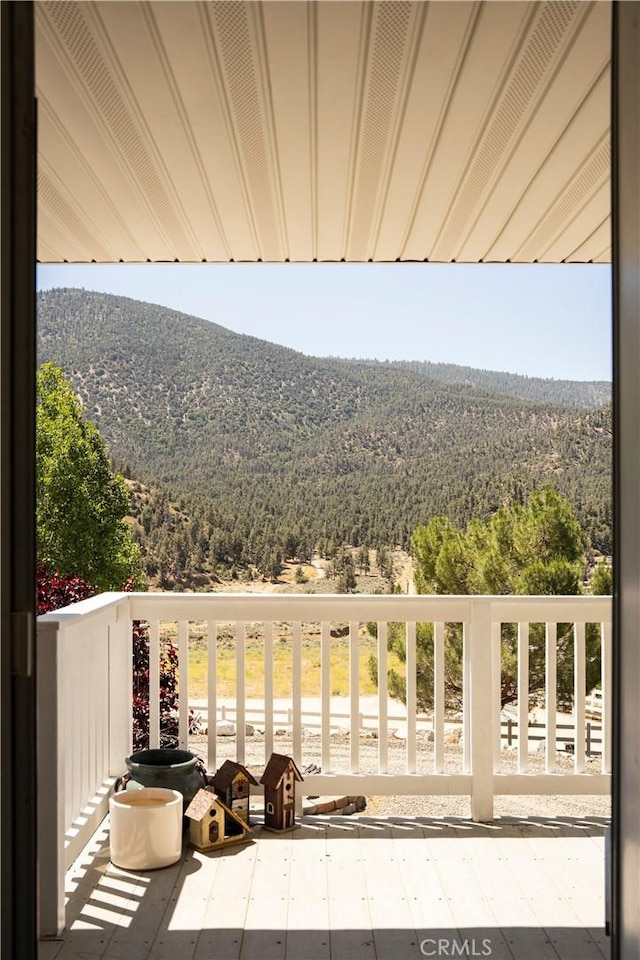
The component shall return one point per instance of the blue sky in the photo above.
(539, 320)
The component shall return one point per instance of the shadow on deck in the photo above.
(344, 888)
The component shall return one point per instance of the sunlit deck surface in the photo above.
(345, 887)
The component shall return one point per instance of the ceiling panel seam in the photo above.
(190, 138)
(537, 99)
(272, 138)
(592, 200)
(238, 66)
(173, 205)
(204, 13)
(361, 72)
(383, 85)
(397, 124)
(312, 55)
(46, 252)
(583, 243)
(545, 159)
(45, 108)
(446, 104)
(514, 55)
(69, 17)
(516, 90)
(69, 216)
(118, 107)
(585, 181)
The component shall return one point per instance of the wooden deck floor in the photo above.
(344, 888)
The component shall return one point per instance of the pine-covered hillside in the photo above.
(276, 444)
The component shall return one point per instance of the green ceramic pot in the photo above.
(169, 768)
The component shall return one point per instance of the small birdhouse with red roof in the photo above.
(209, 817)
(279, 781)
(231, 784)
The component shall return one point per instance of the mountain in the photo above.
(273, 444)
(573, 393)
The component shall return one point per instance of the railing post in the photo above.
(120, 689)
(481, 712)
(51, 784)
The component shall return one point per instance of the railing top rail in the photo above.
(306, 607)
(402, 607)
(580, 609)
(86, 608)
(310, 607)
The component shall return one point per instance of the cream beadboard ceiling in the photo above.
(243, 131)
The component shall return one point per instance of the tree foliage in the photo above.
(536, 547)
(81, 504)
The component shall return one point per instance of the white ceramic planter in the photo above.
(146, 828)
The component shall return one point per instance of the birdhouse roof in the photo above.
(202, 803)
(276, 768)
(227, 774)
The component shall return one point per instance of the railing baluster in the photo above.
(268, 689)
(212, 694)
(466, 699)
(579, 681)
(383, 699)
(119, 725)
(101, 714)
(325, 695)
(296, 699)
(183, 684)
(523, 697)
(154, 684)
(354, 695)
(550, 695)
(68, 724)
(84, 665)
(97, 705)
(438, 697)
(496, 691)
(605, 655)
(411, 698)
(241, 727)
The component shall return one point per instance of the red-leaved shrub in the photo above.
(56, 590)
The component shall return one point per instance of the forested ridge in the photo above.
(574, 393)
(277, 451)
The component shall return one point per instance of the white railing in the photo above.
(84, 731)
(85, 709)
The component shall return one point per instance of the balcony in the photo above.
(337, 887)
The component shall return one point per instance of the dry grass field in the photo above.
(282, 662)
(315, 581)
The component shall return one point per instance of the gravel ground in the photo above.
(429, 806)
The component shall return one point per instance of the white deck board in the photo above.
(308, 914)
(266, 920)
(344, 888)
(351, 933)
(225, 915)
(473, 915)
(391, 917)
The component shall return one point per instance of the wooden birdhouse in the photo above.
(209, 816)
(231, 784)
(279, 780)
